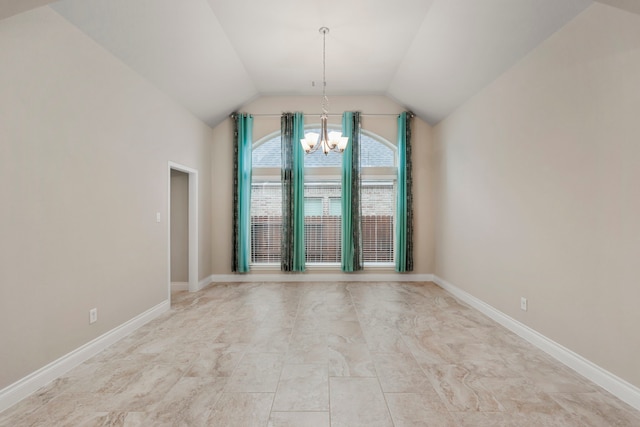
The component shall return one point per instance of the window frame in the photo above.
(315, 174)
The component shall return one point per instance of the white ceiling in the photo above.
(212, 56)
(13, 7)
(463, 45)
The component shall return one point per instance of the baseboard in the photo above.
(321, 277)
(620, 388)
(21, 389)
(205, 282)
(179, 286)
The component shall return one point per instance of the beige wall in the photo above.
(538, 193)
(385, 126)
(84, 151)
(179, 226)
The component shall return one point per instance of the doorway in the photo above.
(179, 230)
(182, 228)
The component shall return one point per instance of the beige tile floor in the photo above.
(321, 354)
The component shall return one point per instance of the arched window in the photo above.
(323, 202)
(266, 152)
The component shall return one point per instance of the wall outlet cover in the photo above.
(523, 304)
(93, 315)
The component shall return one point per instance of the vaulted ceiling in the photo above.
(212, 56)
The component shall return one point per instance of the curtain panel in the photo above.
(243, 139)
(404, 203)
(292, 248)
(351, 230)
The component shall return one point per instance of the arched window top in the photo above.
(266, 152)
(375, 152)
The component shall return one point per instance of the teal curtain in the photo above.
(242, 167)
(292, 248)
(404, 203)
(351, 231)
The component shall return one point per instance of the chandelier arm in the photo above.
(314, 149)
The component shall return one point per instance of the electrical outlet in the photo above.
(523, 304)
(93, 315)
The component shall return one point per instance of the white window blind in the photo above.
(378, 208)
(266, 222)
(335, 206)
(321, 225)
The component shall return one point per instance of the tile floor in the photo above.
(321, 354)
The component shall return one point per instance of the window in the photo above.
(266, 202)
(378, 210)
(377, 199)
(323, 203)
(321, 226)
(313, 206)
(335, 206)
(266, 222)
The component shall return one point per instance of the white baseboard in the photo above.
(615, 385)
(205, 282)
(179, 286)
(320, 277)
(24, 387)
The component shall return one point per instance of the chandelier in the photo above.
(329, 141)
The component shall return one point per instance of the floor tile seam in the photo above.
(352, 376)
(250, 392)
(413, 356)
(358, 315)
(174, 365)
(183, 374)
(329, 387)
(377, 377)
(273, 401)
(306, 364)
(444, 411)
(458, 412)
(228, 378)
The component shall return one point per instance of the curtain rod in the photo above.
(330, 115)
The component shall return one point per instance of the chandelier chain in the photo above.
(329, 141)
(325, 100)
